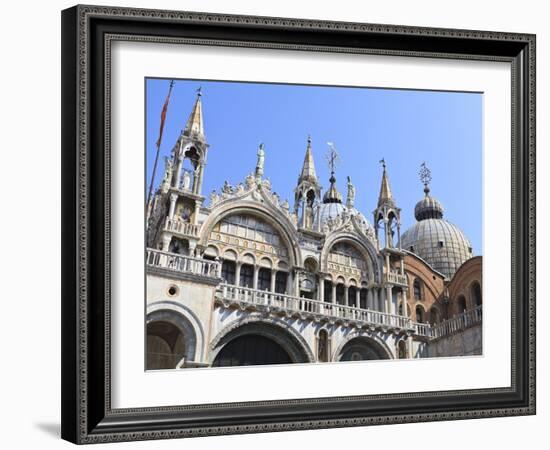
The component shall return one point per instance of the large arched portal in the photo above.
(251, 350)
(259, 342)
(362, 349)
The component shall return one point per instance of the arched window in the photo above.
(419, 314)
(346, 258)
(228, 271)
(352, 296)
(461, 305)
(363, 299)
(340, 294)
(417, 289)
(281, 279)
(328, 292)
(247, 276)
(476, 294)
(264, 279)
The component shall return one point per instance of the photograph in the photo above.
(293, 223)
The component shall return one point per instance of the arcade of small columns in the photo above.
(247, 274)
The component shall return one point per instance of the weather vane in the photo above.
(425, 175)
(383, 162)
(199, 91)
(332, 157)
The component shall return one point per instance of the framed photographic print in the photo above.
(281, 224)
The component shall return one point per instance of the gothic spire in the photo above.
(195, 127)
(385, 196)
(308, 168)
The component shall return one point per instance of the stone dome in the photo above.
(328, 211)
(438, 242)
(428, 208)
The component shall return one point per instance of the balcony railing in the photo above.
(395, 278)
(183, 264)
(183, 228)
(457, 323)
(304, 305)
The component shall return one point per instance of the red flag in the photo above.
(163, 113)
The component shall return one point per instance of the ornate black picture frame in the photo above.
(87, 414)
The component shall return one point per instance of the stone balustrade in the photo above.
(183, 264)
(291, 304)
(183, 228)
(457, 323)
(395, 278)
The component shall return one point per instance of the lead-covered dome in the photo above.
(332, 207)
(438, 242)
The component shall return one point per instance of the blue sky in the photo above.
(405, 127)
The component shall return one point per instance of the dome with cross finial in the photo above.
(438, 242)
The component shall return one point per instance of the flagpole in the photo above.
(159, 140)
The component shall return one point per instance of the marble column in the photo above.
(273, 278)
(404, 300)
(166, 238)
(370, 300)
(346, 295)
(255, 282)
(173, 198)
(289, 283)
(389, 300)
(238, 273)
(196, 213)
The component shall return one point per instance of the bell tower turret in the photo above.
(308, 190)
(179, 198)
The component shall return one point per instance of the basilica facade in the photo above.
(241, 276)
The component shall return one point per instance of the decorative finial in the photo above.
(199, 91)
(332, 158)
(383, 162)
(172, 84)
(309, 139)
(425, 177)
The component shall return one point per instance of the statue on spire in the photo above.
(260, 163)
(351, 194)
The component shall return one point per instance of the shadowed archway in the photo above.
(362, 348)
(251, 350)
(258, 342)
